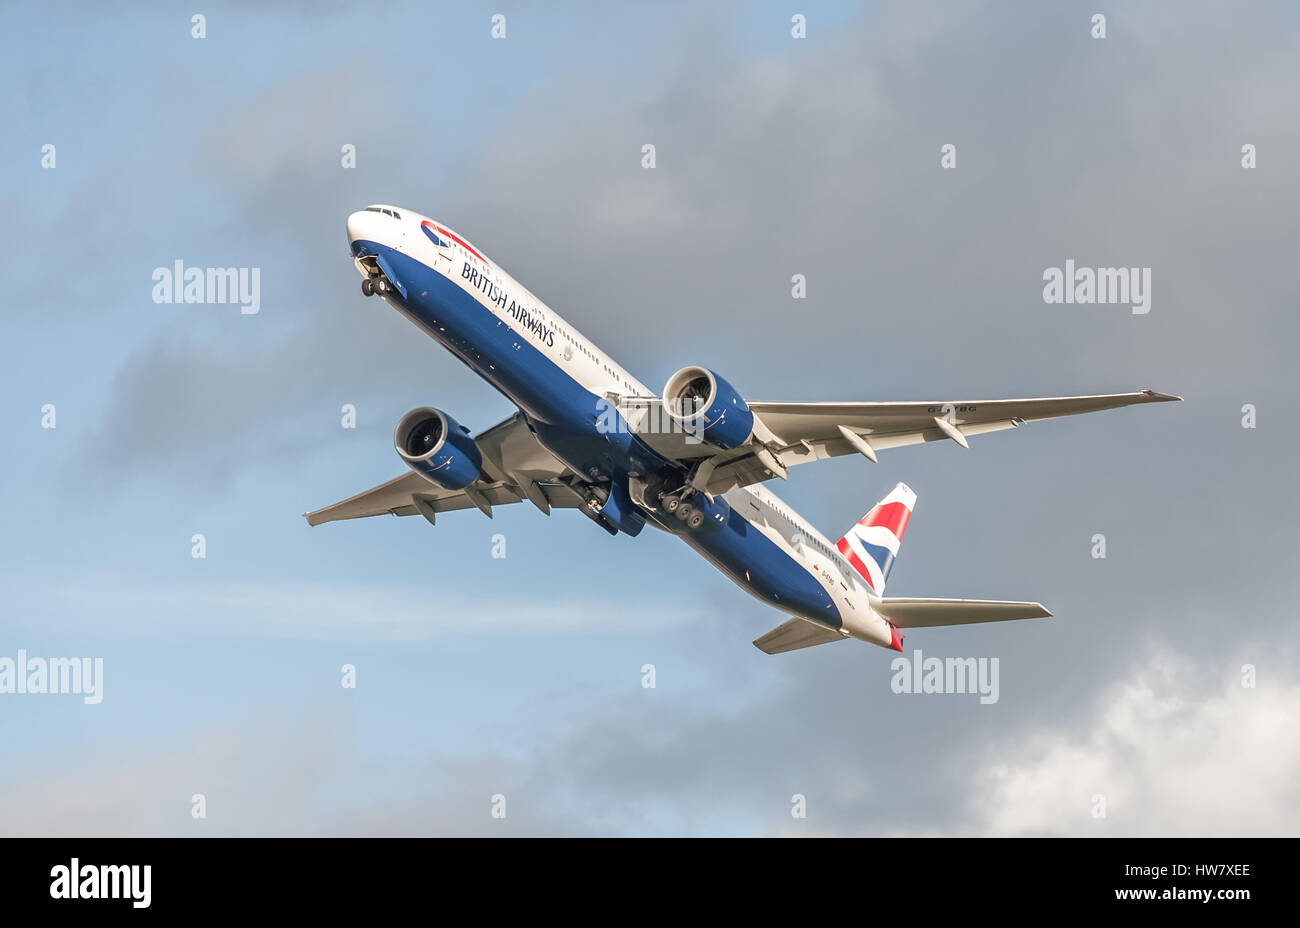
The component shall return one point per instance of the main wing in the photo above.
(517, 468)
(796, 433)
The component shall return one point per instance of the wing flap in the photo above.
(397, 497)
(795, 634)
(906, 612)
(912, 421)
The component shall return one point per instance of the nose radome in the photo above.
(356, 224)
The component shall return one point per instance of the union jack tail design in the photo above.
(872, 544)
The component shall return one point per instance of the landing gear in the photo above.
(674, 502)
(377, 285)
(675, 505)
(368, 286)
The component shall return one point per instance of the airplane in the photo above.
(692, 461)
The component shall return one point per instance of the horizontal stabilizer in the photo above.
(795, 634)
(927, 613)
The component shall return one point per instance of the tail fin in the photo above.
(872, 544)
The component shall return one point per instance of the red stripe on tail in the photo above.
(892, 516)
(856, 561)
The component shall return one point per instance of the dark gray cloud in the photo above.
(823, 163)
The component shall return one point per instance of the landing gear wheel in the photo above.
(672, 503)
(381, 285)
(684, 511)
(368, 287)
(695, 519)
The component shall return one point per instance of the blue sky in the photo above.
(522, 675)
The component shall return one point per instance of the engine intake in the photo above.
(708, 406)
(434, 445)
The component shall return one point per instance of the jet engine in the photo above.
(708, 407)
(438, 447)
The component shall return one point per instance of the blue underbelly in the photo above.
(760, 567)
(563, 413)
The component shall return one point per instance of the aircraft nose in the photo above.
(374, 226)
(366, 227)
(356, 225)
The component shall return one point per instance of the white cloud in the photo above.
(1171, 754)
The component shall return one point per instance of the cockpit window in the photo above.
(387, 212)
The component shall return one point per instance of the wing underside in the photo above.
(788, 434)
(411, 494)
(516, 467)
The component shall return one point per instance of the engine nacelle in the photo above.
(708, 407)
(435, 445)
